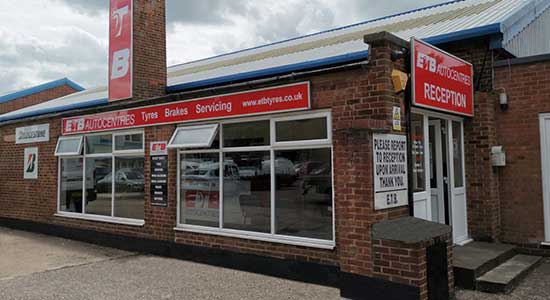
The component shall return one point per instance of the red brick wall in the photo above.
(36, 98)
(482, 186)
(528, 89)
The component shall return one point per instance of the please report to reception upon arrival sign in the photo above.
(390, 170)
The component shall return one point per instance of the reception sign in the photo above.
(441, 81)
(269, 100)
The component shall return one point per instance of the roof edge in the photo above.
(486, 30)
(40, 88)
(48, 110)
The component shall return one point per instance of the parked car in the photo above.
(126, 180)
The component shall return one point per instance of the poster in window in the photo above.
(30, 168)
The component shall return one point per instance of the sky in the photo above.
(45, 40)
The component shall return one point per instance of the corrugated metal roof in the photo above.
(39, 88)
(436, 24)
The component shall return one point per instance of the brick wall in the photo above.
(482, 186)
(528, 89)
(36, 98)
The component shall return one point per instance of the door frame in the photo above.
(439, 169)
(545, 166)
(450, 164)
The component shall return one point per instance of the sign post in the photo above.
(441, 81)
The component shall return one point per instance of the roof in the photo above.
(437, 24)
(40, 88)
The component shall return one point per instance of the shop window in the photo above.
(303, 194)
(301, 130)
(418, 153)
(263, 188)
(200, 189)
(69, 146)
(201, 136)
(99, 181)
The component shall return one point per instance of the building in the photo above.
(295, 126)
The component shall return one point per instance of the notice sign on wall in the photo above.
(390, 170)
(32, 134)
(284, 98)
(30, 168)
(120, 50)
(159, 180)
(441, 81)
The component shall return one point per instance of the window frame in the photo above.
(121, 153)
(271, 148)
(191, 146)
(80, 146)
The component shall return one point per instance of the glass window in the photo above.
(97, 144)
(247, 191)
(129, 187)
(70, 185)
(457, 154)
(201, 136)
(418, 153)
(129, 142)
(69, 146)
(300, 130)
(99, 185)
(246, 134)
(200, 189)
(303, 194)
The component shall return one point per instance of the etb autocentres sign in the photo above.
(284, 98)
(441, 81)
(390, 170)
(120, 50)
(32, 134)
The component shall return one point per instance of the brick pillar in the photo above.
(355, 124)
(149, 56)
(481, 178)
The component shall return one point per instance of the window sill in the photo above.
(264, 237)
(114, 220)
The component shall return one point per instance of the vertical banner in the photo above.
(30, 169)
(120, 49)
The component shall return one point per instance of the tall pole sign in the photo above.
(441, 81)
(120, 49)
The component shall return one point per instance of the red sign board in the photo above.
(263, 101)
(441, 81)
(120, 50)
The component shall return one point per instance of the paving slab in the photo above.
(24, 253)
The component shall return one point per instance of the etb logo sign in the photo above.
(74, 125)
(159, 148)
(120, 50)
(30, 167)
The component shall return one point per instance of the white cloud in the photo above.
(43, 40)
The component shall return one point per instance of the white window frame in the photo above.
(69, 153)
(113, 154)
(272, 147)
(215, 127)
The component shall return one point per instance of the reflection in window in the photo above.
(418, 154)
(247, 191)
(199, 189)
(129, 187)
(457, 154)
(70, 189)
(300, 130)
(98, 183)
(303, 196)
(246, 134)
(96, 144)
(129, 142)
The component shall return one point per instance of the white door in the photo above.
(545, 164)
(459, 216)
(437, 177)
(420, 167)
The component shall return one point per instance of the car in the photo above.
(126, 180)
